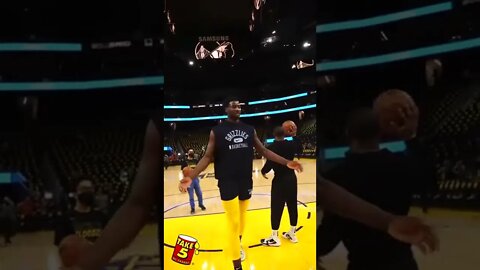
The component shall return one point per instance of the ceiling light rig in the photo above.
(301, 65)
(258, 4)
(269, 40)
(170, 23)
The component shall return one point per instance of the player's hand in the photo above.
(407, 128)
(71, 250)
(295, 165)
(413, 231)
(264, 176)
(184, 184)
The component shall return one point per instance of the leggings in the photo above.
(236, 211)
(284, 190)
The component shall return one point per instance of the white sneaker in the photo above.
(272, 241)
(290, 236)
(242, 254)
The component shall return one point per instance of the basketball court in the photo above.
(459, 232)
(35, 251)
(208, 227)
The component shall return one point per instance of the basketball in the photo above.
(289, 127)
(186, 171)
(71, 249)
(389, 106)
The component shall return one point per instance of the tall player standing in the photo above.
(230, 147)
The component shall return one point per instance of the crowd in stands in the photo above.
(16, 155)
(458, 171)
(452, 130)
(100, 154)
(107, 156)
(197, 141)
(308, 136)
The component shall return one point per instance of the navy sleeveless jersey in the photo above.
(233, 150)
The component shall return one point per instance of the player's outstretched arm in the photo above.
(133, 214)
(201, 166)
(406, 229)
(343, 203)
(274, 157)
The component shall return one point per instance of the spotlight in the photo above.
(190, 63)
(306, 44)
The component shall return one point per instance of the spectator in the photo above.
(8, 219)
(84, 220)
(166, 161)
(191, 161)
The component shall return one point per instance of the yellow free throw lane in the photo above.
(210, 232)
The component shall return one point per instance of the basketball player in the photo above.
(421, 235)
(231, 146)
(284, 189)
(417, 150)
(146, 191)
(83, 220)
(191, 162)
(377, 176)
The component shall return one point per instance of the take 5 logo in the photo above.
(185, 247)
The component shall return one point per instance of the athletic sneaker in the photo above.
(290, 236)
(192, 211)
(242, 254)
(272, 241)
(203, 207)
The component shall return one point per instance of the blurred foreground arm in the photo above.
(132, 216)
(406, 229)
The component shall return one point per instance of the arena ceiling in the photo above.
(263, 53)
(459, 23)
(79, 20)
